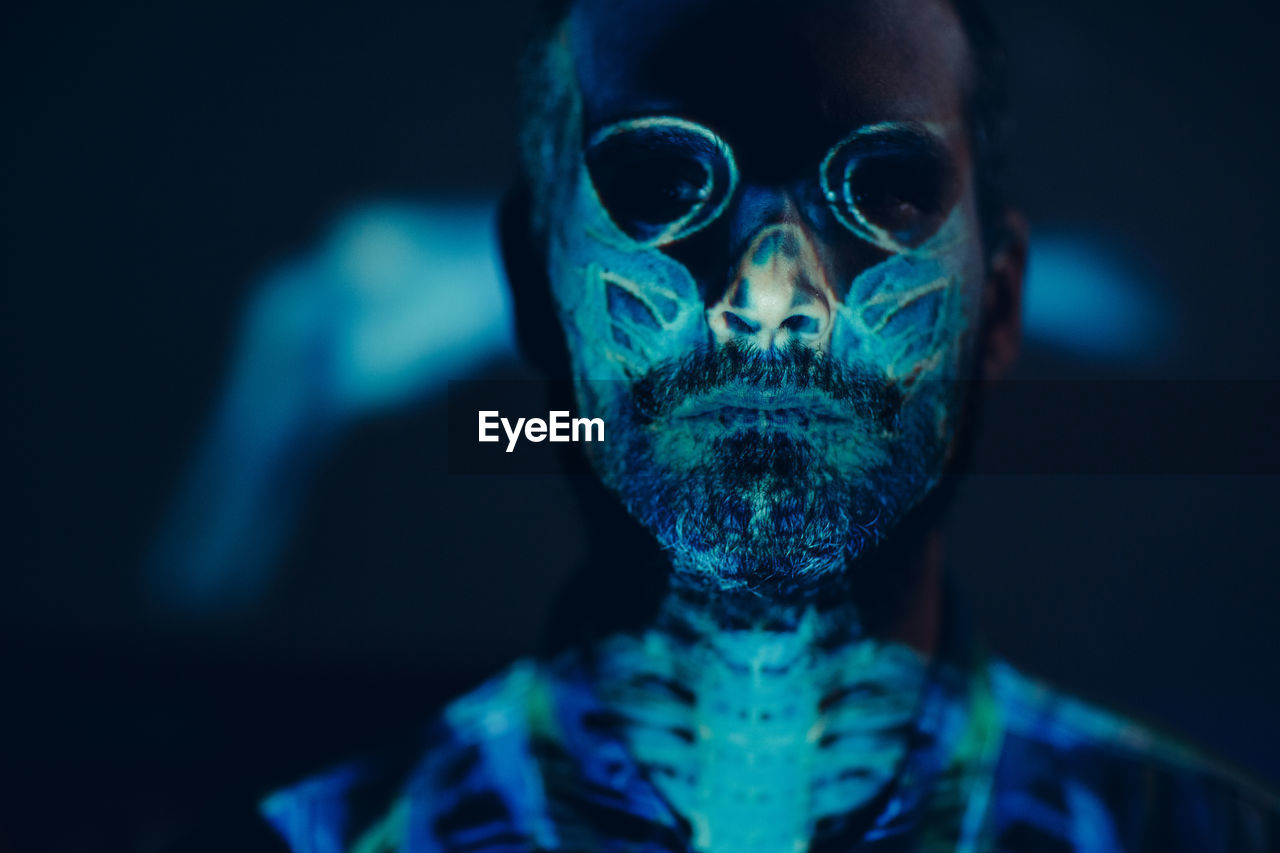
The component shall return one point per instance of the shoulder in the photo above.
(1082, 775)
(470, 773)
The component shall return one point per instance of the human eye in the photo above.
(660, 178)
(893, 185)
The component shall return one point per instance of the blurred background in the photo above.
(231, 560)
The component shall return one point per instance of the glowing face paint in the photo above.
(799, 483)
(630, 310)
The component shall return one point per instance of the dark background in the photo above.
(157, 158)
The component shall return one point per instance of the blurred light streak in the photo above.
(1092, 302)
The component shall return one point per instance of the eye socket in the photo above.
(661, 178)
(890, 184)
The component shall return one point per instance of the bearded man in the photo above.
(768, 243)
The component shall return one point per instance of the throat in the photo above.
(757, 726)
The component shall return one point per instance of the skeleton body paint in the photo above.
(752, 736)
(774, 414)
(759, 222)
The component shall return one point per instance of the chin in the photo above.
(772, 511)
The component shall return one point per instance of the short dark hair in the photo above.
(989, 119)
(987, 109)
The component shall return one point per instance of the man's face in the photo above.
(764, 250)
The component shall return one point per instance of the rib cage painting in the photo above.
(775, 259)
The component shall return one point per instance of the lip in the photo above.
(747, 402)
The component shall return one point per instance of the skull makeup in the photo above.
(772, 333)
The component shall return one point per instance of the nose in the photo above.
(778, 294)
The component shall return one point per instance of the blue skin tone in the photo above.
(745, 760)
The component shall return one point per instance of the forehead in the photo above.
(802, 69)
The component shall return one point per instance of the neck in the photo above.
(756, 717)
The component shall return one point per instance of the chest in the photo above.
(754, 757)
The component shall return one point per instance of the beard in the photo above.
(768, 471)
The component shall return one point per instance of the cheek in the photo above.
(913, 314)
(624, 307)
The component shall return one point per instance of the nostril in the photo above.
(740, 325)
(801, 324)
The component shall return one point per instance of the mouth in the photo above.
(795, 387)
(764, 408)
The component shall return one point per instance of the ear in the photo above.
(538, 332)
(1002, 297)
